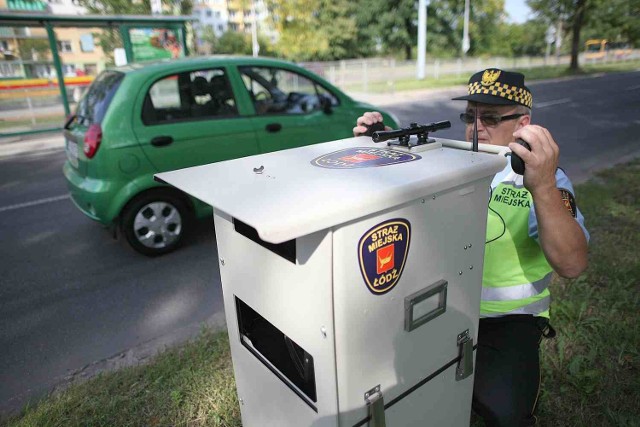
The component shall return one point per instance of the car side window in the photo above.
(189, 96)
(279, 91)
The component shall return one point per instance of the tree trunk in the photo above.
(407, 52)
(577, 26)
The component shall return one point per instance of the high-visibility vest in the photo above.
(516, 273)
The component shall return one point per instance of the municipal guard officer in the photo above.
(533, 228)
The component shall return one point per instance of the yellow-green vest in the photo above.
(516, 273)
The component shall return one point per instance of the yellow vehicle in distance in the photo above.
(601, 49)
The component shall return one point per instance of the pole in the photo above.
(53, 44)
(125, 35)
(466, 44)
(558, 40)
(255, 46)
(422, 38)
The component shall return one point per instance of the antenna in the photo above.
(475, 129)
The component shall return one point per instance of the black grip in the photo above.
(377, 126)
(517, 164)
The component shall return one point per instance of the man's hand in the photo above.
(561, 238)
(541, 162)
(367, 119)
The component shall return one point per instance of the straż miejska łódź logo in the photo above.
(362, 157)
(382, 252)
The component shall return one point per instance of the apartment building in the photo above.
(26, 52)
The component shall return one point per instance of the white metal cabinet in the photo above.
(321, 249)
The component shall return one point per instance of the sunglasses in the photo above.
(488, 119)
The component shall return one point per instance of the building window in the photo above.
(209, 14)
(69, 70)
(233, 26)
(86, 43)
(64, 46)
(91, 69)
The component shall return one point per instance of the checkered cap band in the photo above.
(512, 93)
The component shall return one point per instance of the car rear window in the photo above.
(93, 106)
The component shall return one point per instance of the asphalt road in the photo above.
(74, 301)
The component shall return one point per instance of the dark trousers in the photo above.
(507, 371)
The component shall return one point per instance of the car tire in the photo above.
(155, 223)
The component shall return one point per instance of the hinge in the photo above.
(465, 364)
(375, 405)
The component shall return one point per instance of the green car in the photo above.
(141, 119)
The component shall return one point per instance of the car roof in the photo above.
(149, 67)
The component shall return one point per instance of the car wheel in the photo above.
(155, 223)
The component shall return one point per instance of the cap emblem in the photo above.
(489, 77)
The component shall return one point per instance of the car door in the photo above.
(291, 109)
(191, 118)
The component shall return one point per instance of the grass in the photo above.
(591, 370)
(188, 386)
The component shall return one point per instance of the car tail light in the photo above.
(92, 140)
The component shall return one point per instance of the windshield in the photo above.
(93, 105)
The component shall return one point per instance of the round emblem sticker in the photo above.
(362, 157)
(382, 252)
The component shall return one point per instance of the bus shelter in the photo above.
(139, 36)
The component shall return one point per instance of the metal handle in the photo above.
(465, 365)
(414, 304)
(375, 407)
(161, 141)
(273, 127)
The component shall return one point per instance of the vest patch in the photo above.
(569, 201)
(382, 252)
(518, 197)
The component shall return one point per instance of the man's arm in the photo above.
(561, 237)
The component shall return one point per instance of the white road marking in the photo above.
(33, 203)
(633, 87)
(550, 103)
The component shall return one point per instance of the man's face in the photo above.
(500, 134)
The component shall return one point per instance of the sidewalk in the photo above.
(417, 95)
(30, 144)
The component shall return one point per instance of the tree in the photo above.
(527, 38)
(392, 23)
(573, 14)
(617, 20)
(33, 48)
(344, 35)
(234, 42)
(296, 22)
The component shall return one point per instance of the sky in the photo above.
(518, 10)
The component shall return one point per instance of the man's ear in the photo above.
(524, 121)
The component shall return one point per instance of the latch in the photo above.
(375, 405)
(465, 364)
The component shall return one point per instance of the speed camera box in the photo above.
(351, 275)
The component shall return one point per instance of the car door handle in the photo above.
(161, 141)
(273, 127)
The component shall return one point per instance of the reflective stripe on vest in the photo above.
(516, 292)
(516, 273)
(538, 308)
